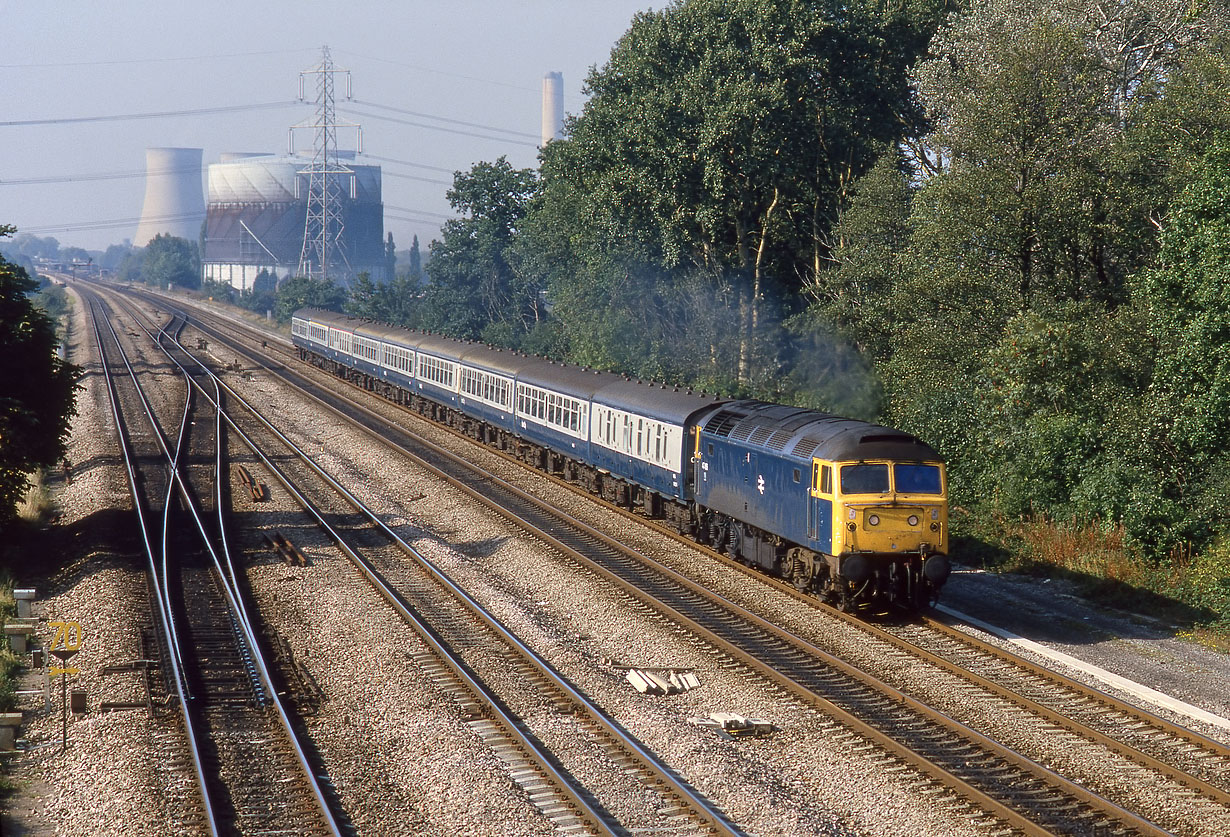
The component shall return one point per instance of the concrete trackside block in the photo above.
(661, 681)
(9, 722)
(25, 598)
(639, 683)
(19, 634)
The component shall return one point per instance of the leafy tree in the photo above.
(36, 247)
(722, 137)
(1011, 338)
(262, 296)
(75, 254)
(113, 256)
(168, 260)
(1188, 298)
(416, 261)
(37, 388)
(303, 291)
(360, 300)
(390, 259)
(473, 285)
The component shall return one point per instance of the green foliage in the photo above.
(302, 291)
(719, 141)
(1188, 298)
(166, 260)
(172, 261)
(218, 290)
(261, 298)
(415, 267)
(52, 299)
(37, 388)
(474, 284)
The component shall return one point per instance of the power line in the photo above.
(151, 115)
(112, 223)
(168, 59)
(423, 69)
(73, 178)
(407, 177)
(419, 211)
(444, 119)
(123, 175)
(423, 222)
(353, 112)
(408, 163)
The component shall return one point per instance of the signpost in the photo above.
(64, 646)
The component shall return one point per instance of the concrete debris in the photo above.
(732, 725)
(661, 681)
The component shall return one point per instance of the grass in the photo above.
(1185, 588)
(9, 663)
(38, 506)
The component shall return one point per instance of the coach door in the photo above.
(820, 505)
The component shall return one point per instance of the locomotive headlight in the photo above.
(912, 520)
(873, 520)
(935, 527)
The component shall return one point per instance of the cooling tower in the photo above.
(174, 200)
(552, 106)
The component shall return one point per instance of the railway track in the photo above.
(247, 769)
(467, 649)
(1194, 764)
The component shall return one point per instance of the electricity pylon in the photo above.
(328, 180)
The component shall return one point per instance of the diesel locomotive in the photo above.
(854, 512)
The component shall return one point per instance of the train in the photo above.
(853, 512)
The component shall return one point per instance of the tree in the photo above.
(416, 261)
(1011, 338)
(473, 286)
(723, 137)
(37, 388)
(168, 260)
(113, 256)
(302, 291)
(390, 259)
(1188, 298)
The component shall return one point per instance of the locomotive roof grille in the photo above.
(779, 439)
(761, 434)
(722, 422)
(743, 430)
(806, 447)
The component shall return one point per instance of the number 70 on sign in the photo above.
(65, 643)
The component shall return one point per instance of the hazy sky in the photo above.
(478, 63)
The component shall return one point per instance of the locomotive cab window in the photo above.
(822, 478)
(917, 479)
(864, 479)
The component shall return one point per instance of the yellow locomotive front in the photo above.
(890, 529)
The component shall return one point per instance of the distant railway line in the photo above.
(1004, 785)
